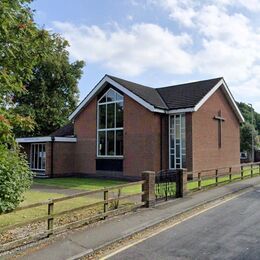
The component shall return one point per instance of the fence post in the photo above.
(199, 181)
(50, 217)
(230, 174)
(105, 201)
(216, 177)
(252, 171)
(181, 183)
(148, 187)
(242, 172)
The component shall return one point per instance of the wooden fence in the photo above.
(217, 176)
(50, 206)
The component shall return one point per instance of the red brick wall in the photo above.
(85, 149)
(189, 158)
(205, 150)
(141, 139)
(63, 158)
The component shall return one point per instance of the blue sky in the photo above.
(161, 42)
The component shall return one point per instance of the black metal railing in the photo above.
(165, 184)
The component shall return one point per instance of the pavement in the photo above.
(228, 231)
(93, 237)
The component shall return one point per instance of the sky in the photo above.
(161, 42)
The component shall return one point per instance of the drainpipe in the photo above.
(52, 155)
(161, 144)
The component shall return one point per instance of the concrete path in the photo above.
(229, 231)
(93, 237)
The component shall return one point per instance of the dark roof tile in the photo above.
(180, 96)
(67, 130)
(148, 94)
(186, 95)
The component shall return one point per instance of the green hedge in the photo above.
(15, 178)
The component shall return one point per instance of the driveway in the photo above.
(229, 231)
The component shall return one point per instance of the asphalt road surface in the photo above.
(228, 231)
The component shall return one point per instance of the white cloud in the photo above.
(133, 51)
(179, 10)
(216, 40)
(228, 41)
(251, 5)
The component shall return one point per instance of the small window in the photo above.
(38, 157)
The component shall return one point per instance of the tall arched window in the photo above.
(110, 124)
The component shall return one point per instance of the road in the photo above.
(228, 231)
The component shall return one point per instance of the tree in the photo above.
(247, 114)
(246, 128)
(15, 178)
(246, 137)
(21, 45)
(20, 48)
(52, 94)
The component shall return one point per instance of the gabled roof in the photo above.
(146, 93)
(188, 97)
(188, 94)
(67, 130)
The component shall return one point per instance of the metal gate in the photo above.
(165, 184)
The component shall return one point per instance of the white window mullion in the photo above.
(42, 156)
(181, 141)
(37, 156)
(116, 99)
(31, 156)
(175, 143)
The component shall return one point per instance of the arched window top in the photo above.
(110, 96)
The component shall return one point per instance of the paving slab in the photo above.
(93, 237)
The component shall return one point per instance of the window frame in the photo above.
(32, 157)
(181, 149)
(105, 130)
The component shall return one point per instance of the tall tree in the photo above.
(52, 94)
(20, 48)
(247, 128)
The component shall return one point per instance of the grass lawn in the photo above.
(87, 184)
(73, 183)
(225, 179)
(82, 184)
(34, 197)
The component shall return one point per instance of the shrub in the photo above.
(15, 178)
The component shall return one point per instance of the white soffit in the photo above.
(99, 87)
(44, 139)
(229, 96)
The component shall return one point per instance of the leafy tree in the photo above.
(52, 94)
(15, 178)
(20, 48)
(247, 114)
(246, 128)
(246, 137)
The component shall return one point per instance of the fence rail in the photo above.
(51, 215)
(216, 176)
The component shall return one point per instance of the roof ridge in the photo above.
(191, 82)
(129, 81)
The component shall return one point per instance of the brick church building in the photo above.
(122, 128)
